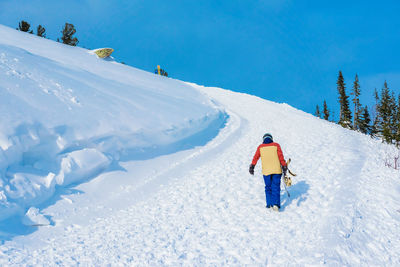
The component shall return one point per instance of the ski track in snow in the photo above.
(342, 210)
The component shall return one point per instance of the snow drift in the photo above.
(67, 115)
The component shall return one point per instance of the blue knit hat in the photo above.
(268, 135)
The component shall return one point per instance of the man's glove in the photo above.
(251, 169)
(284, 169)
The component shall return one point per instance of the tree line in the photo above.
(67, 37)
(385, 120)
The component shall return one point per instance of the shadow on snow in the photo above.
(298, 192)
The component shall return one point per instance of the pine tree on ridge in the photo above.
(385, 114)
(325, 111)
(67, 35)
(317, 112)
(345, 113)
(41, 31)
(356, 100)
(24, 26)
(365, 120)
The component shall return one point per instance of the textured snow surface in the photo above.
(67, 116)
(201, 207)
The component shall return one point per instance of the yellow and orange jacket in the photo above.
(271, 158)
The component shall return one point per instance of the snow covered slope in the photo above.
(67, 115)
(343, 209)
(200, 207)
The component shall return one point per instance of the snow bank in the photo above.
(67, 115)
(34, 218)
(80, 164)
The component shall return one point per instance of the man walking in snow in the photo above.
(273, 163)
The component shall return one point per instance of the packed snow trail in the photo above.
(343, 208)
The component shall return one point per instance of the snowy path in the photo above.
(342, 210)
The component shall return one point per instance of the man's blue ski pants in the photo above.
(273, 189)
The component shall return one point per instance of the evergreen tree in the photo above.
(164, 73)
(374, 127)
(385, 115)
(317, 112)
(397, 122)
(24, 26)
(325, 111)
(356, 100)
(41, 31)
(345, 113)
(394, 116)
(67, 35)
(365, 120)
(393, 120)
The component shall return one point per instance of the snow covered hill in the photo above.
(197, 205)
(68, 116)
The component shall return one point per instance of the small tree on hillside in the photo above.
(356, 100)
(365, 120)
(396, 119)
(317, 112)
(345, 113)
(67, 35)
(325, 111)
(397, 122)
(40, 31)
(24, 26)
(374, 117)
(385, 115)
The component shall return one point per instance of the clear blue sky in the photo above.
(281, 50)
